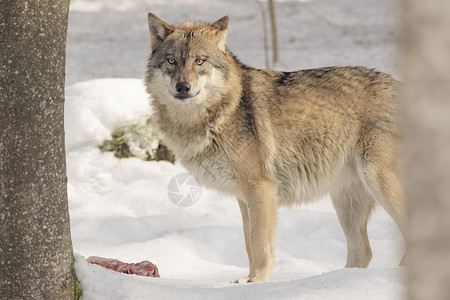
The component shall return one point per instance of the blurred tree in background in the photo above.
(273, 32)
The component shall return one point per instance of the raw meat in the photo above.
(143, 268)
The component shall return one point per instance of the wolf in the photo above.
(276, 138)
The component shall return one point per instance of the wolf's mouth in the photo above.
(184, 97)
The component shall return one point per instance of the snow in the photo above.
(121, 208)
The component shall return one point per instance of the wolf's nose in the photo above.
(183, 88)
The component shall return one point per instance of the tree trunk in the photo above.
(36, 248)
(273, 25)
(265, 34)
(426, 59)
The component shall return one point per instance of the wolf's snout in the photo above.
(183, 88)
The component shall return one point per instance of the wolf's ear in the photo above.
(158, 30)
(221, 26)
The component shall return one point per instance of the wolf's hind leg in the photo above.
(353, 207)
(384, 184)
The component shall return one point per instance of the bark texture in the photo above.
(36, 248)
(426, 62)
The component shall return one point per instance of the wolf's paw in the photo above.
(242, 280)
(248, 280)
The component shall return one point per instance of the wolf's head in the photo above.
(188, 63)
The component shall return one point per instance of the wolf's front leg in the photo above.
(246, 226)
(259, 216)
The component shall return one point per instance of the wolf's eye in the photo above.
(199, 61)
(171, 61)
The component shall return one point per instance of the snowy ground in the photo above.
(121, 208)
